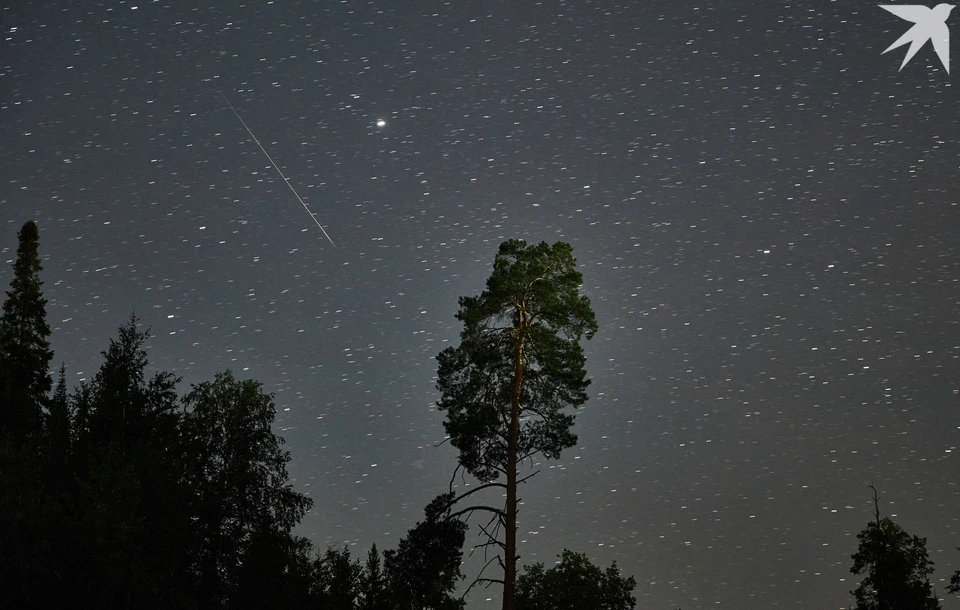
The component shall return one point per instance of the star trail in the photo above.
(764, 210)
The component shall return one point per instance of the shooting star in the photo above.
(285, 180)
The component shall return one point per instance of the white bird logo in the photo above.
(929, 24)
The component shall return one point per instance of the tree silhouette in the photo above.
(424, 569)
(58, 425)
(338, 579)
(574, 584)
(896, 566)
(954, 586)
(518, 365)
(27, 506)
(122, 495)
(25, 352)
(132, 526)
(373, 583)
(236, 469)
(276, 572)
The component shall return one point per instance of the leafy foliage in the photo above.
(122, 495)
(133, 516)
(897, 569)
(531, 306)
(338, 579)
(276, 573)
(58, 424)
(236, 471)
(574, 584)
(518, 366)
(424, 569)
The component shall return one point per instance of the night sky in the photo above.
(763, 209)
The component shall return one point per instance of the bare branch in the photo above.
(485, 545)
(471, 509)
(476, 489)
(528, 456)
(479, 578)
(493, 541)
(454, 477)
(876, 504)
(491, 581)
(492, 536)
(524, 479)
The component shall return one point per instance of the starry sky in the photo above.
(761, 206)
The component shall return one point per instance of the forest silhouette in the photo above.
(120, 494)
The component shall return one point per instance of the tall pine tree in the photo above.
(518, 366)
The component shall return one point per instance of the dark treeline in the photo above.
(120, 494)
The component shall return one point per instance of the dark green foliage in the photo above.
(25, 352)
(897, 569)
(133, 520)
(373, 583)
(126, 408)
(28, 504)
(518, 366)
(58, 424)
(531, 305)
(338, 580)
(25, 571)
(424, 570)
(123, 496)
(276, 573)
(574, 584)
(236, 470)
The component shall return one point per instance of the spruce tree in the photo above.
(25, 352)
(58, 424)
(134, 529)
(25, 504)
(373, 583)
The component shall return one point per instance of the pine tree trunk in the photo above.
(510, 561)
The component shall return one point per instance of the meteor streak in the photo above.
(286, 181)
